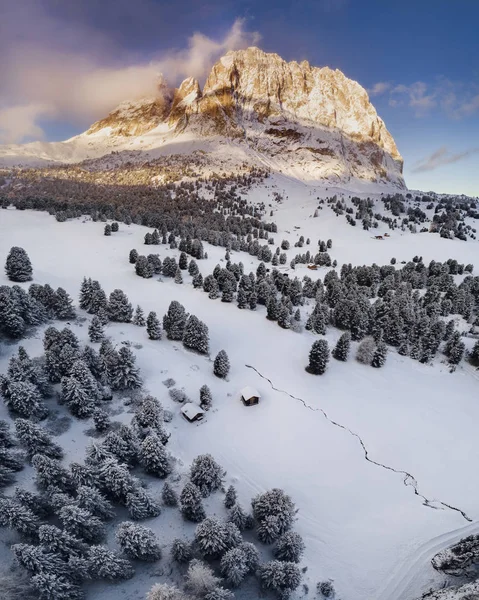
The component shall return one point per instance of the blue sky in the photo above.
(63, 64)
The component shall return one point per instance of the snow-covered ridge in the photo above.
(313, 124)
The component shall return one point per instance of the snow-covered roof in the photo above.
(249, 392)
(191, 410)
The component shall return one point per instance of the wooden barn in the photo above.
(192, 412)
(250, 396)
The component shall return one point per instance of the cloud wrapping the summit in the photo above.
(78, 75)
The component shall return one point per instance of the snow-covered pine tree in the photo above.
(82, 523)
(115, 227)
(19, 518)
(365, 351)
(178, 276)
(193, 268)
(280, 577)
(138, 542)
(18, 266)
(139, 317)
(36, 560)
(141, 505)
(284, 318)
(95, 330)
(200, 579)
(196, 336)
(154, 458)
(221, 365)
(169, 496)
(133, 256)
(174, 321)
(36, 440)
(273, 308)
(230, 497)
(205, 397)
(125, 375)
(181, 551)
(234, 567)
(77, 398)
(125, 451)
(119, 307)
(191, 505)
(82, 474)
(380, 354)
(105, 564)
(50, 472)
(197, 281)
(341, 350)
(50, 585)
(289, 547)
(318, 357)
(90, 499)
(474, 355)
(101, 420)
(238, 516)
(144, 268)
(107, 229)
(24, 399)
(277, 504)
(63, 305)
(163, 591)
(60, 542)
(206, 474)
(252, 555)
(153, 327)
(37, 503)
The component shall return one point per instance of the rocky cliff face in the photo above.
(307, 122)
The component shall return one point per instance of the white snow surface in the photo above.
(363, 527)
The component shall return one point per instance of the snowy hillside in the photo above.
(377, 460)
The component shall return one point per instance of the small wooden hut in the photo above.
(250, 396)
(192, 412)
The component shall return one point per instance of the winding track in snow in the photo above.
(408, 479)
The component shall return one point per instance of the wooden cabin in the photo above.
(192, 412)
(313, 267)
(250, 396)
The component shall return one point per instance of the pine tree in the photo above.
(211, 537)
(138, 542)
(36, 560)
(379, 357)
(163, 591)
(63, 305)
(82, 523)
(196, 335)
(174, 321)
(154, 458)
(193, 268)
(197, 281)
(36, 440)
(115, 227)
(105, 564)
(101, 420)
(238, 516)
(230, 498)
(90, 499)
(50, 472)
(273, 308)
(139, 317)
(153, 327)
(277, 504)
(141, 505)
(342, 347)
(18, 266)
(59, 587)
(169, 496)
(107, 230)
(60, 542)
(190, 503)
(37, 503)
(125, 375)
(474, 355)
(77, 398)
(318, 357)
(234, 567)
(290, 547)
(221, 365)
(365, 352)
(205, 397)
(206, 474)
(24, 399)
(284, 319)
(95, 330)
(133, 257)
(114, 479)
(181, 551)
(19, 518)
(144, 268)
(178, 276)
(119, 307)
(280, 577)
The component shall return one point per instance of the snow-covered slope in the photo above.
(310, 123)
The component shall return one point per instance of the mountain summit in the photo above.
(308, 122)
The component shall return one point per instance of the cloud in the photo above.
(69, 71)
(379, 88)
(441, 157)
(455, 99)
